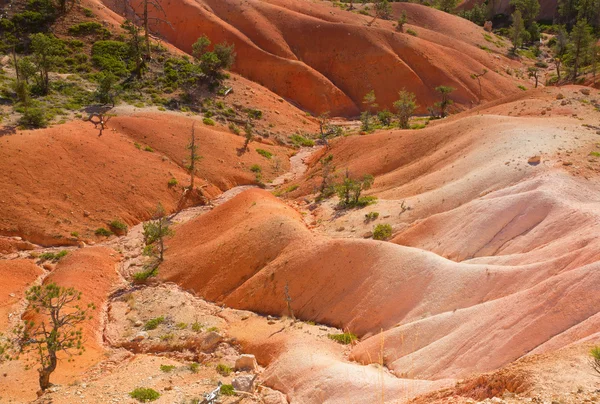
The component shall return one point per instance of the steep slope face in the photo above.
(15, 277)
(326, 59)
(66, 179)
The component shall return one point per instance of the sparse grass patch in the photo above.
(291, 188)
(118, 227)
(411, 32)
(54, 257)
(595, 154)
(369, 217)
(224, 370)
(167, 368)
(194, 367)
(344, 338)
(212, 329)
(255, 168)
(181, 326)
(208, 121)
(299, 140)
(172, 182)
(144, 395)
(197, 327)
(153, 324)
(522, 87)
(264, 153)
(148, 149)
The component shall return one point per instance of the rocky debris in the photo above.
(271, 396)
(585, 91)
(246, 362)
(560, 96)
(535, 160)
(244, 383)
(210, 341)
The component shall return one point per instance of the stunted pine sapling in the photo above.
(54, 329)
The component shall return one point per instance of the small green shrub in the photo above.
(255, 168)
(197, 327)
(234, 128)
(144, 274)
(33, 118)
(224, 370)
(411, 32)
(144, 394)
(227, 390)
(111, 56)
(595, 154)
(148, 149)
(153, 324)
(522, 87)
(208, 121)
(254, 113)
(172, 182)
(74, 234)
(101, 231)
(194, 367)
(167, 368)
(382, 232)
(87, 12)
(118, 226)
(89, 28)
(181, 326)
(345, 338)
(264, 153)
(137, 145)
(54, 257)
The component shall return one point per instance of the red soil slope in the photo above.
(66, 179)
(326, 59)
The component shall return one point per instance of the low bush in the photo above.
(33, 118)
(227, 390)
(89, 28)
(208, 121)
(382, 232)
(299, 140)
(144, 395)
(101, 231)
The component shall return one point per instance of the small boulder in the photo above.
(560, 96)
(243, 383)
(140, 336)
(535, 160)
(210, 341)
(246, 362)
(585, 91)
(271, 396)
(487, 26)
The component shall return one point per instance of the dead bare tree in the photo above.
(478, 76)
(288, 300)
(101, 113)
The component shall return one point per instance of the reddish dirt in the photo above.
(15, 277)
(343, 58)
(66, 179)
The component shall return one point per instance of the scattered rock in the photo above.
(211, 340)
(140, 336)
(567, 163)
(535, 160)
(560, 96)
(368, 234)
(138, 323)
(271, 396)
(243, 383)
(585, 91)
(86, 213)
(246, 362)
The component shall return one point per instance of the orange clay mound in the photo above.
(327, 59)
(15, 277)
(92, 271)
(496, 246)
(296, 358)
(66, 179)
